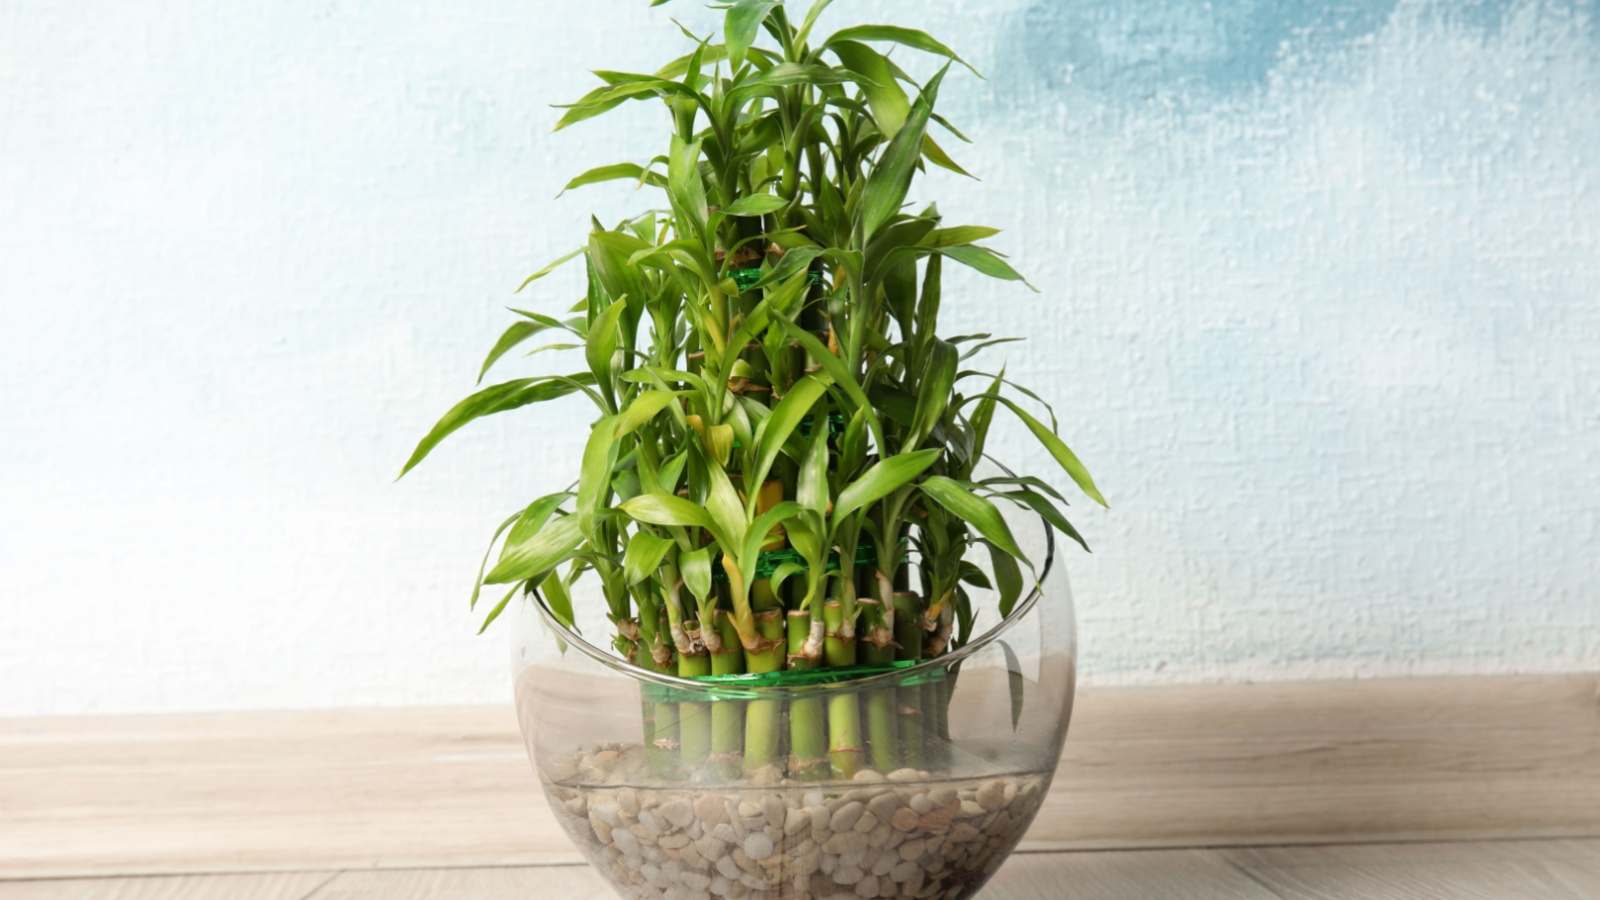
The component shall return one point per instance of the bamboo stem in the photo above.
(844, 716)
(878, 649)
(908, 639)
(694, 718)
(808, 729)
(727, 716)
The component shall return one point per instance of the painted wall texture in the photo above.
(1320, 307)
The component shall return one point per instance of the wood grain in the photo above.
(1455, 758)
(274, 886)
(1510, 870)
(1505, 870)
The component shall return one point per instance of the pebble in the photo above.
(846, 816)
(679, 812)
(879, 836)
(758, 846)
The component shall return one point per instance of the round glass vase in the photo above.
(673, 788)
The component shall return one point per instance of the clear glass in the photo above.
(956, 755)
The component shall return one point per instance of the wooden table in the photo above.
(1493, 870)
(1409, 788)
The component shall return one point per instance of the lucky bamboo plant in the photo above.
(783, 472)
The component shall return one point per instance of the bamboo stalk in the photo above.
(908, 640)
(694, 718)
(808, 729)
(763, 718)
(844, 716)
(727, 716)
(877, 649)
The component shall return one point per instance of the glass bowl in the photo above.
(957, 755)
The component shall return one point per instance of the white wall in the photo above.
(1321, 308)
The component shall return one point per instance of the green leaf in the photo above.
(1062, 453)
(695, 566)
(910, 37)
(932, 152)
(1015, 682)
(602, 341)
(1047, 511)
(986, 261)
(656, 508)
(643, 557)
(891, 177)
(548, 269)
(755, 205)
(644, 407)
(1007, 577)
(494, 399)
(804, 33)
(685, 189)
(533, 519)
(477, 584)
(789, 265)
(933, 390)
(741, 24)
(725, 508)
(599, 457)
(785, 418)
(882, 479)
(960, 234)
(617, 172)
(835, 369)
(982, 417)
(812, 489)
(975, 510)
(559, 600)
(511, 337)
(539, 554)
(498, 608)
(888, 102)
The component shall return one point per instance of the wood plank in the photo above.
(273, 886)
(1104, 875)
(1171, 766)
(1504, 870)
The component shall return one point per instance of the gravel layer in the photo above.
(898, 834)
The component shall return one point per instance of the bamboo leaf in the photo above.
(909, 37)
(812, 489)
(835, 369)
(961, 234)
(511, 337)
(986, 261)
(602, 340)
(932, 152)
(548, 269)
(495, 399)
(804, 33)
(498, 608)
(540, 553)
(725, 508)
(890, 179)
(888, 102)
(477, 583)
(882, 479)
(656, 508)
(1058, 449)
(1047, 511)
(1015, 682)
(646, 406)
(785, 418)
(599, 458)
(975, 510)
(616, 172)
(695, 567)
(685, 188)
(755, 205)
(642, 559)
(1007, 577)
(933, 390)
(556, 596)
(740, 25)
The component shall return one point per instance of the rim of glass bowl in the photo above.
(622, 666)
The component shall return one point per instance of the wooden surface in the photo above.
(1319, 762)
(1507, 870)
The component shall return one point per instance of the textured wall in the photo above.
(1319, 308)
